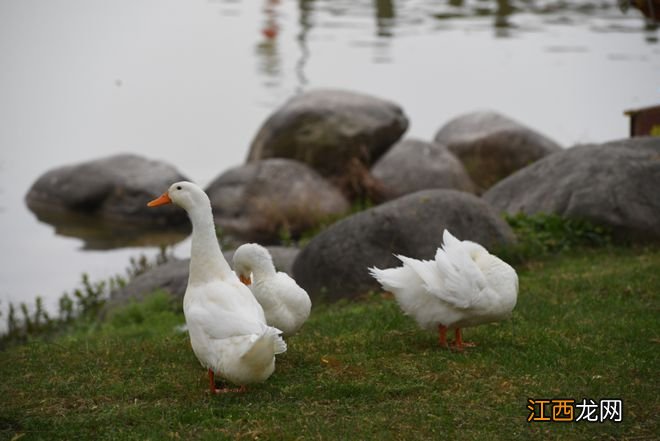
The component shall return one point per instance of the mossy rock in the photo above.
(615, 185)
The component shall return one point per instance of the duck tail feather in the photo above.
(279, 345)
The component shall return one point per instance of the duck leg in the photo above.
(442, 336)
(212, 381)
(228, 390)
(459, 344)
(224, 390)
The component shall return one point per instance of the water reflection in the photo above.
(502, 22)
(346, 20)
(306, 22)
(385, 15)
(100, 235)
(267, 49)
(229, 8)
(649, 8)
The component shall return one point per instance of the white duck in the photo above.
(227, 326)
(286, 305)
(464, 286)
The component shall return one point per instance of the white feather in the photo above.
(227, 326)
(463, 286)
(286, 305)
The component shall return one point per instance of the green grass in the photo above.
(586, 326)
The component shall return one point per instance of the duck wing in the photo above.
(222, 316)
(424, 270)
(463, 281)
(222, 324)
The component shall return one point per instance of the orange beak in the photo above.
(161, 200)
(245, 279)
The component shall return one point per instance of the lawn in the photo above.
(586, 326)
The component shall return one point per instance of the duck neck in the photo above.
(206, 259)
(263, 268)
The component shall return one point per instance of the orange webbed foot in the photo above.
(229, 390)
(460, 345)
(225, 390)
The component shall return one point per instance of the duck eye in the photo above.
(178, 187)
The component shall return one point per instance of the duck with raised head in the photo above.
(227, 326)
(463, 286)
(286, 305)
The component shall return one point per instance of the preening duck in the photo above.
(286, 305)
(463, 286)
(227, 326)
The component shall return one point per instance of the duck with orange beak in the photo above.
(227, 326)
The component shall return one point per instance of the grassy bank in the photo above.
(586, 326)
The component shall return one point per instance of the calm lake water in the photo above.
(191, 81)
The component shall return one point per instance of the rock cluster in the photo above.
(326, 149)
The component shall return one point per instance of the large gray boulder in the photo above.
(172, 277)
(336, 132)
(616, 184)
(113, 189)
(491, 146)
(334, 264)
(263, 200)
(413, 165)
